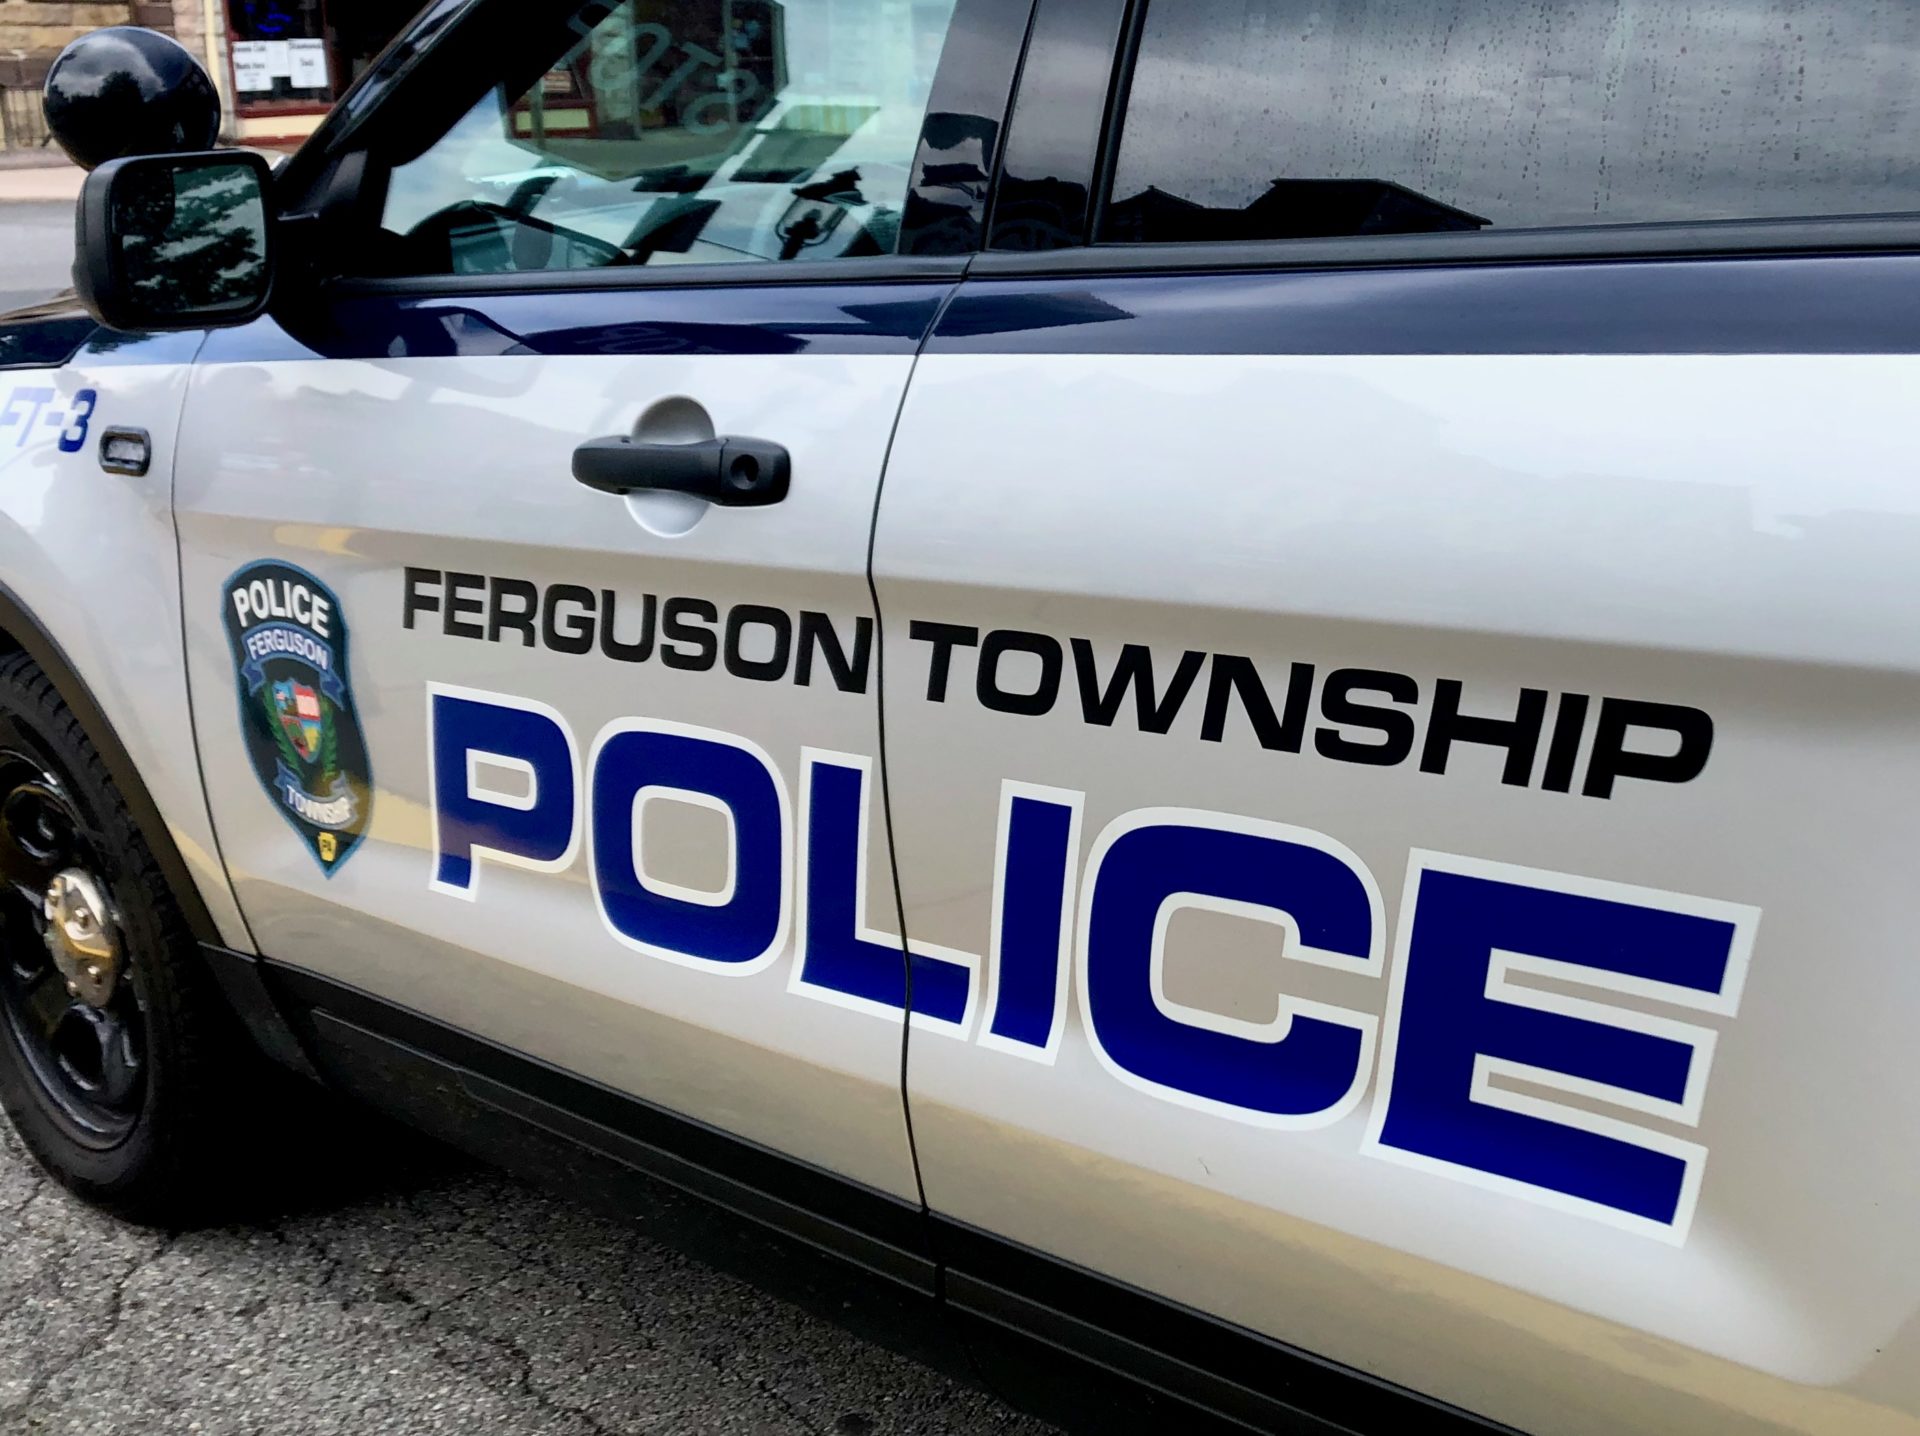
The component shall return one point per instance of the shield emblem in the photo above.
(298, 721)
(298, 707)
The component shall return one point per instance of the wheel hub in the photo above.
(80, 936)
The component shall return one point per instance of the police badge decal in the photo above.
(289, 641)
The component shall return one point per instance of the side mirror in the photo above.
(176, 241)
(127, 91)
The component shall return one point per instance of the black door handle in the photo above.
(739, 473)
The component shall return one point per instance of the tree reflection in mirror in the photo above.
(192, 237)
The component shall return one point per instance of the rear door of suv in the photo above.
(1400, 668)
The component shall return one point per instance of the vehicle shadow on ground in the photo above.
(398, 1286)
(331, 1153)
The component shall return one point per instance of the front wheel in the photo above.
(120, 1066)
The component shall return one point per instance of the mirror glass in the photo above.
(191, 235)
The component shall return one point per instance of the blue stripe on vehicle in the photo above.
(1749, 305)
(1868, 304)
(745, 319)
(107, 348)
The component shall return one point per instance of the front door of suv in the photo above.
(531, 754)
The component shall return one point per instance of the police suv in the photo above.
(1228, 686)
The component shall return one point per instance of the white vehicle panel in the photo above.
(1730, 534)
(91, 555)
(357, 470)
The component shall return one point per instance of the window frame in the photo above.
(330, 194)
(1053, 116)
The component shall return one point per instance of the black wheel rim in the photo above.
(88, 1062)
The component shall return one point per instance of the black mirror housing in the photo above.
(176, 241)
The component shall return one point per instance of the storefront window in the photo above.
(280, 52)
(299, 56)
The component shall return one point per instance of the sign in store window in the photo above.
(280, 51)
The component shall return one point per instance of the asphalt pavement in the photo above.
(412, 1291)
(36, 251)
(423, 1295)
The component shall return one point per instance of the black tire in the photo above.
(164, 1153)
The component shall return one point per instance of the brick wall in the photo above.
(32, 32)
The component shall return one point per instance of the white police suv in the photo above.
(1230, 686)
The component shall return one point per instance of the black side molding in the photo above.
(1078, 1348)
(1106, 1332)
(813, 1239)
(1720, 239)
(880, 1233)
(240, 982)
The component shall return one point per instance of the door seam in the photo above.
(881, 763)
(186, 666)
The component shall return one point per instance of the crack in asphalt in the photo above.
(523, 1362)
(444, 1302)
(330, 1262)
(431, 1313)
(91, 1346)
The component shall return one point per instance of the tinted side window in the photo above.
(1276, 119)
(679, 131)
